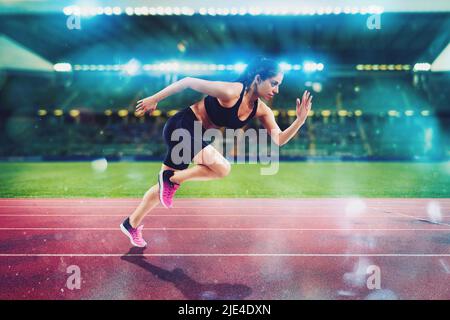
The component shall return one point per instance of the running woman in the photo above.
(227, 104)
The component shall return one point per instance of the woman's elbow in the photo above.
(186, 82)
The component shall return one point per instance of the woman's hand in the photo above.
(146, 105)
(304, 106)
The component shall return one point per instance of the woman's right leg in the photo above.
(209, 164)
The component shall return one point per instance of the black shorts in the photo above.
(186, 149)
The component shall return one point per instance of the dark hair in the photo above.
(266, 68)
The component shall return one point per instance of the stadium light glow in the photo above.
(122, 113)
(58, 112)
(393, 113)
(292, 113)
(42, 112)
(239, 67)
(129, 11)
(342, 113)
(62, 67)
(422, 66)
(132, 67)
(285, 66)
(68, 10)
(325, 113)
(172, 113)
(156, 113)
(276, 113)
(309, 66)
(74, 113)
(108, 11)
(358, 113)
(108, 112)
(409, 113)
(425, 113)
(311, 113)
(221, 11)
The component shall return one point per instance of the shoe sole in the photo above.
(160, 179)
(125, 231)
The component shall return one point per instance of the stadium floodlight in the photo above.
(62, 67)
(285, 66)
(132, 67)
(117, 11)
(309, 66)
(358, 113)
(58, 112)
(292, 113)
(168, 11)
(425, 113)
(342, 113)
(156, 113)
(337, 10)
(68, 10)
(42, 112)
(211, 11)
(203, 11)
(234, 11)
(129, 11)
(422, 66)
(108, 11)
(393, 113)
(311, 113)
(108, 112)
(325, 113)
(74, 113)
(409, 113)
(276, 113)
(172, 113)
(122, 113)
(177, 11)
(239, 67)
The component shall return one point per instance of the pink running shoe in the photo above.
(135, 234)
(167, 188)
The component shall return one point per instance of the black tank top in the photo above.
(227, 117)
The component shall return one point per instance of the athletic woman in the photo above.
(227, 104)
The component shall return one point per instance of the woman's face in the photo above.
(269, 87)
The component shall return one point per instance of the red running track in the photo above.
(228, 249)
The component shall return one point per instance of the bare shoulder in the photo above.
(235, 88)
(232, 92)
(263, 109)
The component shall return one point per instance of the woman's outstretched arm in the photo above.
(282, 137)
(222, 90)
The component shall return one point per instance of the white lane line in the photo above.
(225, 255)
(194, 215)
(227, 229)
(225, 207)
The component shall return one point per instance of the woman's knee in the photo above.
(223, 169)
